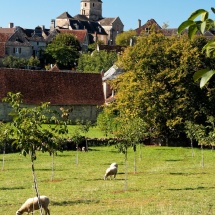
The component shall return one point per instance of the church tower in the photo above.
(91, 9)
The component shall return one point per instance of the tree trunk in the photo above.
(35, 184)
(126, 170)
(53, 167)
(191, 143)
(4, 149)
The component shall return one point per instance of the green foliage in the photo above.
(96, 62)
(64, 49)
(28, 130)
(124, 38)
(205, 23)
(14, 62)
(33, 61)
(158, 84)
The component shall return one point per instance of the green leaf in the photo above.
(204, 75)
(184, 25)
(204, 16)
(197, 13)
(192, 31)
(213, 10)
(202, 27)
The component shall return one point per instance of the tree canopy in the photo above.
(64, 49)
(96, 61)
(157, 85)
(124, 38)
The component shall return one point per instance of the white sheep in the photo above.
(31, 204)
(112, 170)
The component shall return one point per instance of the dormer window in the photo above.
(147, 29)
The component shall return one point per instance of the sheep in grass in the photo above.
(32, 204)
(112, 170)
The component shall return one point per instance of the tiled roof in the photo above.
(80, 34)
(148, 24)
(65, 15)
(112, 73)
(81, 17)
(107, 21)
(3, 39)
(110, 48)
(58, 88)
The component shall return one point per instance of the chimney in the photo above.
(52, 27)
(139, 23)
(11, 25)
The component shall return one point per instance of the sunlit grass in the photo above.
(168, 181)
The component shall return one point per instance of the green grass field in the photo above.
(168, 181)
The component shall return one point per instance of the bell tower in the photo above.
(91, 9)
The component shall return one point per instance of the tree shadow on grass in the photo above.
(191, 188)
(65, 203)
(174, 160)
(186, 174)
(12, 188)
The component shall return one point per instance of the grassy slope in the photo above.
(168, 181)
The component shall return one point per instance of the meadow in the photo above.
(168, 180)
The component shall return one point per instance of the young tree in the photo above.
(5, 136)
(64, 49)
(29, 132)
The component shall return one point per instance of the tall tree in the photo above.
(64, 49)
(158, 86)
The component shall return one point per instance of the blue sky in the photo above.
(29, 14)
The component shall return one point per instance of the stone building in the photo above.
(83, 92)
(91, 19)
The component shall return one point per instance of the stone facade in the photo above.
(92, 9)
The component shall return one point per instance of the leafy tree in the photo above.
(157, 85)
(125, 38)
(205, 23)
(33, 61)
(5, 136)
(64, 49)
(29, 132)
(96, 62)
(14, 62)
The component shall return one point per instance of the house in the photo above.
(23, 43)
(113, 27)
(91, 19)
(109, 75)
(152, 24)
(82, 92)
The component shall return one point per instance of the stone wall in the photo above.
(79, 112)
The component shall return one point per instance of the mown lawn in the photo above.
(168, 181)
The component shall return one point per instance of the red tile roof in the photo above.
(58, 88)
(3, 39)
(80, 34)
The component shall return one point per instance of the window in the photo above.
(17, 50)
(93, 4)
(85, 4)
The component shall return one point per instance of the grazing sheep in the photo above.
(32, 204)
(112, 170)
